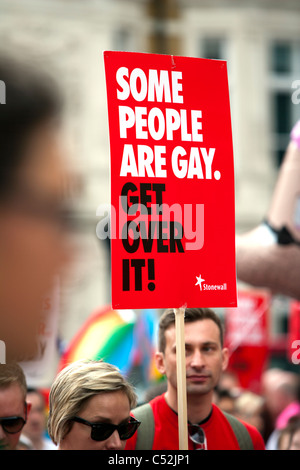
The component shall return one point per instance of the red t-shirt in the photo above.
(219, 434)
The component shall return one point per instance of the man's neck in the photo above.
(198, 406)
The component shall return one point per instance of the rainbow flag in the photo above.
(145, 332)
(107, 335)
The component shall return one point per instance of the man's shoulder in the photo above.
(150, 414)
(257, 440)
(153, 407)
(158, 401)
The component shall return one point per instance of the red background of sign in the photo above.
(247, 337)
(294, 330)
(205, 87)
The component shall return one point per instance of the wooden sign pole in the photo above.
(181, 379)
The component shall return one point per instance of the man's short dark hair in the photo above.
(11, 374)
(32, 98)
(191, 315)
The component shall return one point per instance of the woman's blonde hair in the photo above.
(74, 385)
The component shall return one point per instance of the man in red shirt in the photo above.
(206, 358)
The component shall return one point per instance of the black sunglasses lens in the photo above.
(12, 425)
(102, 432)
(126, 431)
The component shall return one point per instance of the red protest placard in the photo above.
(293, 343)
(172, 182)
(247, 336)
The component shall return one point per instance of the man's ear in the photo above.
(225, 358)
(160, 362)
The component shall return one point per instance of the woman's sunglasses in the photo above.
(102, 431)
(197, 435)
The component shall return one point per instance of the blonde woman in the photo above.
(90, 405)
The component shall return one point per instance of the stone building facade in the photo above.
(259, 39)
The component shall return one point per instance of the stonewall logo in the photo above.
(203, 286)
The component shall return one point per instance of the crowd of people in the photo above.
(91, 406)
(275, 412)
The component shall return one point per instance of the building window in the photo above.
(121, 40)
(282, 122)
(284, 70)
(212, 48)
(282, 58)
